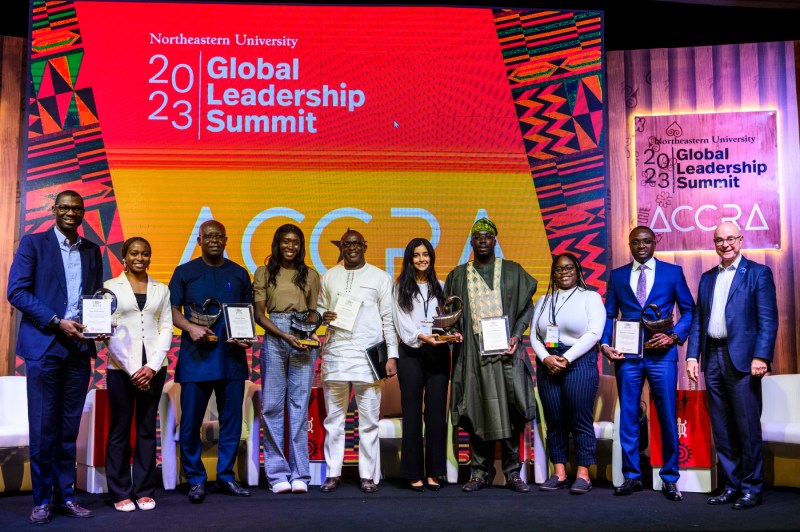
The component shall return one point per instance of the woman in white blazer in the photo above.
(137, 368)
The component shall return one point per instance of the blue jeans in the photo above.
(286, 376)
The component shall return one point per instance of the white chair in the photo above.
(606, 421)
(248, 460)
(15, 471)
(780, 428)
(91, 444)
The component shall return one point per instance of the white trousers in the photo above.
(368, 403)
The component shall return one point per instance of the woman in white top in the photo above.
(423, 367)
(567, 323)
(137, 368)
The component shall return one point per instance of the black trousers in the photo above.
(483, 452)
(424, 374)
(124, 399)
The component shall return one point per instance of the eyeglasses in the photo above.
(214, 236)
(64, 209)
(731, 240)
(564, 269)
(353, 244)
(646, 242)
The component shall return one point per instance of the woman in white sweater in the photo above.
(567, 323)
(137, 368)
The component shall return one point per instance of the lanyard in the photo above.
(425, 302)
(553, 300)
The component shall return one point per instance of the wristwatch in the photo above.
(55, 322)
(675, 338)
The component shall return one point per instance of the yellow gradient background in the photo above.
(163, 206)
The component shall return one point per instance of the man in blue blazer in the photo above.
(50, 272)
(631, 288)
(734, 329)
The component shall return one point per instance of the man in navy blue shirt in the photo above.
(209, 361)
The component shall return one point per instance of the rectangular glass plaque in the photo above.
(494, 335)
(239, 321)
(628, 338)
(96, 316)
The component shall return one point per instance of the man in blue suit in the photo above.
(632, 287)
(209, 362)
(734, 329)
(50, 272)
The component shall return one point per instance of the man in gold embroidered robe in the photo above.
(492, 395)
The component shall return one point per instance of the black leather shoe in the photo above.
(631, 485)
(40, 515)
(433, 487)
(726, 497)
(671, 491)
(231, 488)
(197, 494)
(70, 509)
(517, 484)
(474, 484)
(367, 486)
(420, 488)
(330, 484)
(747, 501)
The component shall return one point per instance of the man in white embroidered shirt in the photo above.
(355, 299)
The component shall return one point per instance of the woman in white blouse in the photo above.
(567, 323)
(423, 367)
(137, 368)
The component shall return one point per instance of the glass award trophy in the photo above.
(304, 324)
(206, 315)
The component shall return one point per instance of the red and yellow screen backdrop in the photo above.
(395, 121)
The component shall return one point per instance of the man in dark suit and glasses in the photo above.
(50, 272)
(735, 329)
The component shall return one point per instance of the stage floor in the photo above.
(395, 508)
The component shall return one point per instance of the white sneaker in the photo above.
(124, 507)
(281, 487)
(298, 486)
(146, 503)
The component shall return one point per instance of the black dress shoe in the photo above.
(631, 485)
(420, 488)
(671, 491)
(368, 486)
(231, 488)
(433, 487)
(330, 484)
(474, 484)
(747, 501)
(517, 484)
(70, 509)
(726, 497)
(197, 494)
(40, 515)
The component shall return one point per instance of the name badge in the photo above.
(426, 327)
(551, 336)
